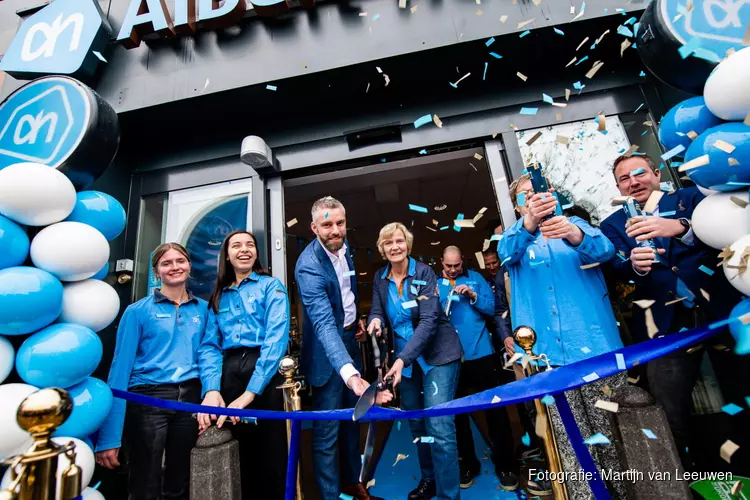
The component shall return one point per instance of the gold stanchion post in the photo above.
(292, 402)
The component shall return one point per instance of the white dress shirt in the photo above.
(341, 266)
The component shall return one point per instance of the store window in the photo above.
(198, 218)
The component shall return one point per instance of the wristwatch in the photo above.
(686, 225)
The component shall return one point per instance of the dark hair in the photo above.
(624, 157)
(490, 251)
(226, 275)
(164, 248)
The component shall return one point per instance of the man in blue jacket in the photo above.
(686, 290)
(331, 358)
(469, 302)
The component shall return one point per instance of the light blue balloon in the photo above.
(690, 114)
(30, 299)
(14, 244)
(101, 211)
(92, 400)
(719, 174)
(103, 272)
(61, 355)
(740, 331)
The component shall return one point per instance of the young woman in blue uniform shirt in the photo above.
(246, 337)
(156, 355)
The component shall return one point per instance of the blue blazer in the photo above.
(323, 340)
(435, 339)
(681, 260)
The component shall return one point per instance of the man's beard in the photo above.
(334, 247)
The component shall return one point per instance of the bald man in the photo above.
(472, 303)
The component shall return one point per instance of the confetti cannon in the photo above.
(34, 473)
(525, 337)
(633, 210)
(292, 402)
(451, 294)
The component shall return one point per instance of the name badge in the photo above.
(349, 273)
(409, 305)
(163, 315)
(420, 282)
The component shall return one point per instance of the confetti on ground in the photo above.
(589, 266)
(558, 116)
(434, 386)
(401, 4)
(731, 409)
(724, 146)
(521, 76)
(610, 406)
(376, 17)
(205, 85)
(727, 450)
(533, 139)
(423, 120)
(561, 139)
(99, 56)
(649, 433)
(598, 438)
(417, 208)
(548, 400)
(291, 222)
(427, 439)
(694, 163)
(529, 111)
(590, 377)
(620, 361)
(602, 120)
(495, 400)
(546, 98)
(414, 9)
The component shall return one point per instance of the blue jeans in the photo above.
(438, 460)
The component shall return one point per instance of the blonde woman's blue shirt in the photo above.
(157, 343)
(253, 314)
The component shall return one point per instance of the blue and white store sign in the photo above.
(59, 122)
(712, 25)
(67, 37)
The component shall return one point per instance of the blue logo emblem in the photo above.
(713, 25)
(59, 39)
(43, 122)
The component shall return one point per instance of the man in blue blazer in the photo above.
(331, 357)
(686, 290)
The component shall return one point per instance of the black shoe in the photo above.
(425, 491)
(539, 486)
(508, 481)
(467, 479)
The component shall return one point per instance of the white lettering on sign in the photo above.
(51, 34)
(731, 12)
(35, 124)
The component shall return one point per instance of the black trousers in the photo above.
(479, 375)
(263, 445)
(672, 378)
(155, 437)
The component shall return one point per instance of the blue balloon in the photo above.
(719, 174)
(14, 244)
(101, 211)
(92, 400)
(740, 331)
(61, 355)
(103, 272)
(690, 114)
(30, 299)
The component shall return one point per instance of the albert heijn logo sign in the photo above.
(63, 38)
(719, 25)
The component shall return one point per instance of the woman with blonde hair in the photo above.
(427, 352)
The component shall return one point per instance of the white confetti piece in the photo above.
(644, 303)
(463, 223)
(610, 406)
(590, 377)
(291, 222)
(521, 76)
(582, 42)
(437, 121)
(478, 157)
(651, 324)
(503, 18)
(620, 361)
(495, 400)
(99, 56)
(694, 163)
(724, 146)
(524, 23)
(480, 259)
(728, 449)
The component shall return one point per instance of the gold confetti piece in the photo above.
(558, 116)
(571, 62)
(505, 315)
(589, 266)
(581, 44)
(594, 69)
(478, 156)
(602, 123)
(483, 209)
(644, 303)
(692, 135)
(736, 488)
(632, 149)
(363, 273)
(694, 163)
(745, 318)
(291, 222)
(624, 46)
(437, 121)
(476, 218)
(739, 201)
(674, 301)
(536, 2)
(727, 450)
(494, 134)
(480, 12)
(732, 162)
(725, 254)
(648, 123)
(485, 245)
(503, 19)
(634, 380)
(434, 222)
(434, 243)
(724, 146)
(617, 201)
(650, 324)
(562, 139)
(400, 457)
(422, 297)
(705, 295)
(524, 23)
(533, 139)
(513, 127)
(560, 104)
(607, 405)
(416, 440)
(401, 4)
(431, 229)
(521, 76)
(540, 427)
(370, 483)
(653, 201)
(414, 9)
(480, 259)
(495, 400)
(464, 223)
(567, 94)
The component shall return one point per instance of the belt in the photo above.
(350, 327)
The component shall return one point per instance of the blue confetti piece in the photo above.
(649, 433)
(690, 47)
(559, 32)
(453, 85)
(734, 183)
(673, 152)
(548, 400)
(642, 74)
(398, 425)
(496, 237)
(456, 228)
(271, 87)
(706, 55)
(490, 41)
(683, 329)
(667, 214)
(249, 420)
(622, 257)
(578, 86)
(593, 46)
(417, 208)
(423, 151)
(630, 21)
(434, 385)
(547, 98)
(529, 111)
(526, 440)
(376, 17)
(344, 496)
(524, 33)
(427, 439)
(731, 409)
(495, 55)
(598, 438)
(624, 31)
(484, 75)
(444, 228)
(644, 133)
(706, 270)
(569, 205)
(620, 361)
(326, 215)
(536, 263)
(96, 486)
(606, 11)
(521, 199)
(637, 171)
(636, 26)
(639, 107)
(661, 166)
(581, 60)
(424, 120)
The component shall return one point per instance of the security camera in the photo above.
(256, 153)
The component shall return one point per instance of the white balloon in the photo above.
(35, 195)
(7, 358)
(91, 494)
(13, 439)
(718, 221)
(90, 303)
(740, 281)
(71, 251)
(84, 460)
(706, 191)
(727, 91)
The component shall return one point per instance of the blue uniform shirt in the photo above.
(470, 318)
(400, 316)
(567, 306)
(157, 343)
(253, 314)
